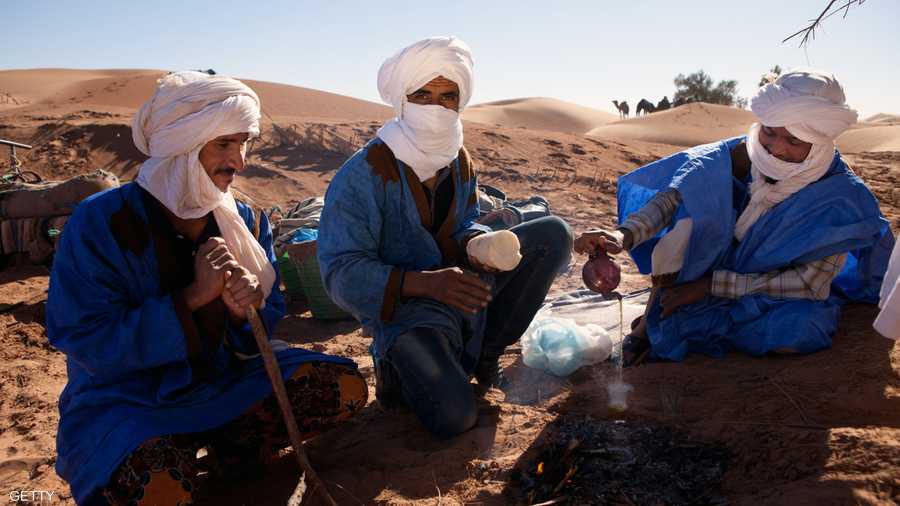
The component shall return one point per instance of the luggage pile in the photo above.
(33, 212)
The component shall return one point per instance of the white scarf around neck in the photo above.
(790, 178)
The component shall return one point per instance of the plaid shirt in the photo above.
(653, 217)
(804, 281)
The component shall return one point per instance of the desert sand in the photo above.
(890, 119)
(816, 429)
(688, 125)
(876, 137)
(539, 114)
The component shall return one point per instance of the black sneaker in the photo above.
(488, 375)
(387, 386)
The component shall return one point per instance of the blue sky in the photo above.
(588, 52)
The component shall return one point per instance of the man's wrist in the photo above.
(411, 284)
(237, 320)
(191, 298)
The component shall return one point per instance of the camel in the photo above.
(663, 104)
(622, 108)
(644, 106)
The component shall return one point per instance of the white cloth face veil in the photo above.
(425, 137)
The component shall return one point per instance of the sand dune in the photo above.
(118, 92)
(870, 138)
(687, 125)
(890, 119)
(40, 89)
(59, 85)
(539, 114)
(694, 124)
(121, 91)
(282, 100)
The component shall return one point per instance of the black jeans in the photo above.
(431, 379)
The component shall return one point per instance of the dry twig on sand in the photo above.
(796, 405)
(440, 497)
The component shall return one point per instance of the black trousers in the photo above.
(423, 362)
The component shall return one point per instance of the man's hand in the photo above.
(242, 290)
(603, 241)
(452, 286)
(212, 263)
(684, 294)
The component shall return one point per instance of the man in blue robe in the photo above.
(753, 243)
(396, 247)
(148, 296)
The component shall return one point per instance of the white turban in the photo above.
(416, 65)
(427, 138)
(188, 110)
(810, 105)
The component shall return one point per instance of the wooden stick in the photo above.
(274, 371)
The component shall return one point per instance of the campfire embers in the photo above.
(614, 462)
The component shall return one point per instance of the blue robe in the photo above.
(130, 374)
(375, 225)
(837, 214)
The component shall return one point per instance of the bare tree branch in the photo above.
(809, 32)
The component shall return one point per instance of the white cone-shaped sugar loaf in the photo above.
(499, 250)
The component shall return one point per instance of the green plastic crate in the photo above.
(303, 257)
(290, 278)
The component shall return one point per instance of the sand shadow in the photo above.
(794, 427)
(18, 286)
(300, 327)
(113, 138)
(253, 170)
(530, 387)
(292, 158)
(18, 269)
(374, 457)
(24, 312)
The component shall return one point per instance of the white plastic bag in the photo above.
(560, 346)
